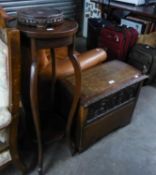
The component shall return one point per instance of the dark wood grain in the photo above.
(106, 102)
(62, 35)
(12, 39)
(66, 29)
(15, 94)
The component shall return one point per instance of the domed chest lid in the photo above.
(40, 17)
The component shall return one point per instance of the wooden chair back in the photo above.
(11, 37)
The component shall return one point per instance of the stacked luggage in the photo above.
(120, 42)
(143, 57)
(116, 40)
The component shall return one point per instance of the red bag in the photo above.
(117, 40)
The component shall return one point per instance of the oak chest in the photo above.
(108, 97)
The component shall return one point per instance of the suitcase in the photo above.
(143, 57)
(117, 40)
(94, 27)
(108, 97)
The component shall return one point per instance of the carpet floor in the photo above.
(130, 150)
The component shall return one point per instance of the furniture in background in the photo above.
(147, 11)
(106, 103)
(142, 17)
(10, 96)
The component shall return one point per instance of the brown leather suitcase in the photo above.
(109, 94)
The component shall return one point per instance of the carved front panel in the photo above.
(111, 102)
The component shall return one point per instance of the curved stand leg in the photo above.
(53, 77)
(76, 97)
(35, 112)
(13, 140)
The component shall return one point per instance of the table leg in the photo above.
(13, 139)
(77, 91)
(34, 104)
(53, 62)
